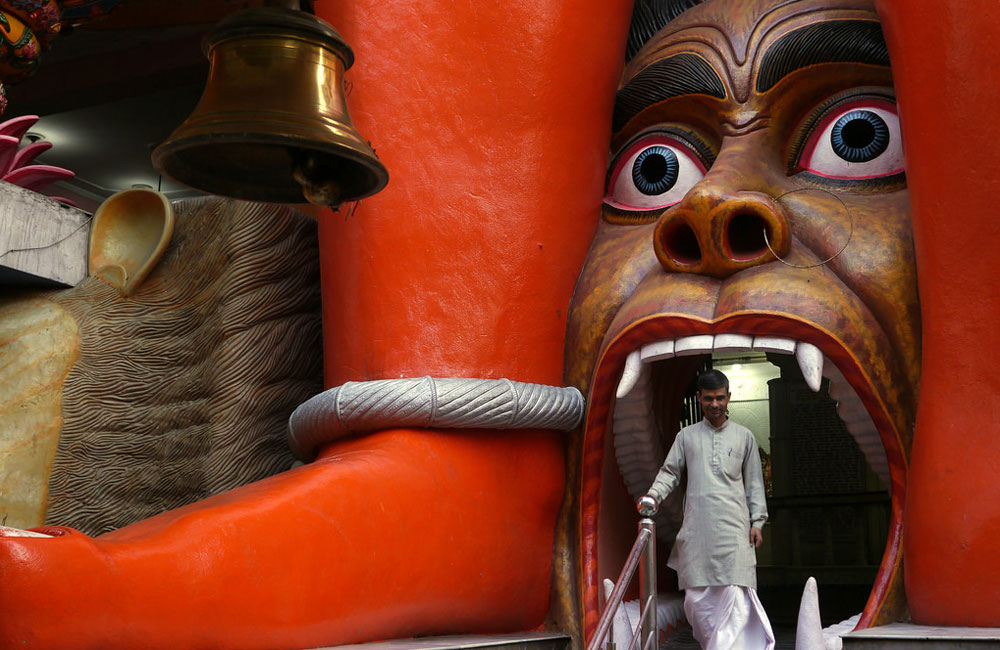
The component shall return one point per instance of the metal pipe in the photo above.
(611, 628)
(637, 632)
(647, 582)
(651, 644)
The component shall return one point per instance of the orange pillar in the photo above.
(945, 76)
(494, 122)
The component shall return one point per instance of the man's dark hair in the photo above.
(713, 380)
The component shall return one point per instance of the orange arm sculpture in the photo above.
(494, 126)
(953, 516)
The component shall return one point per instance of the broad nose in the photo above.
(724, 224)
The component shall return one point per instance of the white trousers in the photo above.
(728, 618)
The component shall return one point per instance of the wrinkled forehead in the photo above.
(751, 44)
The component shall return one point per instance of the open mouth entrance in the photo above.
(825, 471)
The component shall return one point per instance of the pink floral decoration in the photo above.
(15, 160)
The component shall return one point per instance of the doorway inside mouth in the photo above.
(828, 510)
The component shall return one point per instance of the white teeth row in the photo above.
(633, 419)
(808, 355)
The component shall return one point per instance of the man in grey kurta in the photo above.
(724, 509)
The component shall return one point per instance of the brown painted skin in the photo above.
(861, 308)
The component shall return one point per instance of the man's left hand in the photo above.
(756, 537)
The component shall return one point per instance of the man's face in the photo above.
(714, 403)
(756, 201)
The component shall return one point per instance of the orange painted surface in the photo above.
(944, 73)
(372, 541)
(494, 125)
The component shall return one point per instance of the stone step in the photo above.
(518, 641)
(897, 636)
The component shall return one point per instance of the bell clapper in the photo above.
(319, 184)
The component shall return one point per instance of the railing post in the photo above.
(647, 585)
(611, 627)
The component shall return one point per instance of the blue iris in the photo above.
(859, 136)
(655, 170)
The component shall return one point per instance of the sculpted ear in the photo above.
(131, 230)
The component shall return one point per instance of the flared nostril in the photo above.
(745, 236)
(718, 239)
(680, 244)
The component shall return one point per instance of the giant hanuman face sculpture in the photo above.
(733, 119)
(756, 199)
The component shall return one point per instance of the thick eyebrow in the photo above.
(681, 74)
(649, 17)
(832, 41)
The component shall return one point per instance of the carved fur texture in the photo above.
(184, 389)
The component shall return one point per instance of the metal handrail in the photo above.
(644, 550)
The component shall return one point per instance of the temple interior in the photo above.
(828, 511)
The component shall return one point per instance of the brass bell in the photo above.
(272, 123)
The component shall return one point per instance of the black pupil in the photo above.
(655, 170)
(858, 133)
(653, 167)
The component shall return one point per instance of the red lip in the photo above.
(601, 401)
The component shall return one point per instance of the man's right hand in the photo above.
(647, 505)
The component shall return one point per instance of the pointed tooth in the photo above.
(836, 379)
(732, 342)
(865, 433)
(632, 441)
(629, 424)
(692, 345)
(655, 351)
(838, 391)
(639, 454)
(636, 445)
(860, 426)
(871, 446)
(633, 431)
(629, 407)
(638, 463)
(852, 410)
(810, 363)
(831, 370)
(637, 460)
(633, 368)
(809, 629)
(774, 344)
(853, 419)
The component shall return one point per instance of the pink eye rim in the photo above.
(620, 188)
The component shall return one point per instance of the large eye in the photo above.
(653, 173)
(858, 140)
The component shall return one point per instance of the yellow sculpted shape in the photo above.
(38, 344)
(130, 233)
